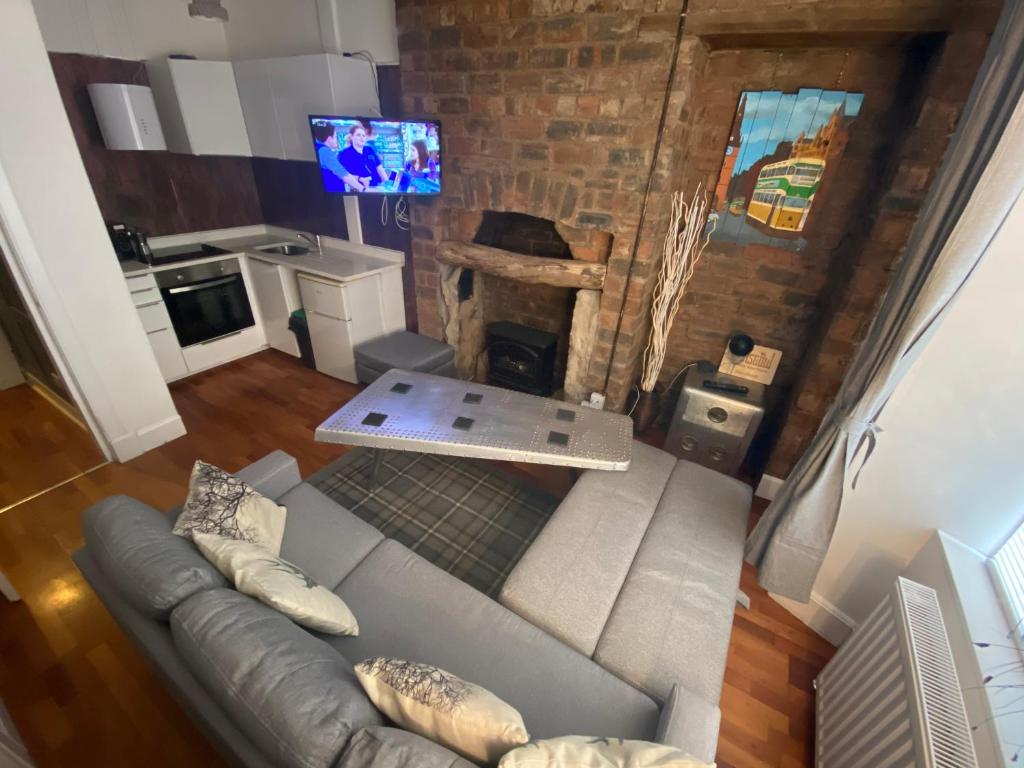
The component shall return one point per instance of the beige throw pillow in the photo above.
(590, 752)
(220, 503)
(278, 583)
(442, 707)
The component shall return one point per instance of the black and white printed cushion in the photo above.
(220, 503)
(277, 583)
(444, 708)
(590, 752)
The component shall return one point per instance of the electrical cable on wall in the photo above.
(401, 213)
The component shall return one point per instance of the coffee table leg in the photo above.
(378, 458)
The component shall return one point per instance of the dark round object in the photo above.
(741, 345)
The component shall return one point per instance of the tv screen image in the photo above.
(370, 156)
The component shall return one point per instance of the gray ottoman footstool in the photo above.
(405, 350)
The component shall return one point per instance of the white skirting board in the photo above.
(135, 444)
(821, 616)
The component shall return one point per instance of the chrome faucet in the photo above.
(313, 242)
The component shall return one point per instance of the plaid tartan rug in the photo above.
(465, 516)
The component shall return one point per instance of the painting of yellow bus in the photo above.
(782, 152)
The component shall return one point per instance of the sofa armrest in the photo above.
(690, 723)
(272, 475)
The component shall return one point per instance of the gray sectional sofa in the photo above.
(615, 623)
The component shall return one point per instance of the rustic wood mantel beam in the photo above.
(565, 273)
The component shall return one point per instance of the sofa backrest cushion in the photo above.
(410, 609)
(324, 539)
(134, 547)
(394, 748)
(292, 694)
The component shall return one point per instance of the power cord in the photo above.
(401, 214)
(668, 389)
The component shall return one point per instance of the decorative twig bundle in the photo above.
(684, 245)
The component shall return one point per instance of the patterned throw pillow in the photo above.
(220, 503)
(278, 583)
(589, 752)
(442, 707)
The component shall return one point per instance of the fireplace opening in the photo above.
(522, 233)
(521, 358)
(545, 311)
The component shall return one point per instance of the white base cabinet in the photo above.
(277, 296)
(157, 325)
(342, 316)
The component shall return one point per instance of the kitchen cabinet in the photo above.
(253, 79)
(277, 296)
(278, 95)
(342, 316)
(199, 105)
(157, 325)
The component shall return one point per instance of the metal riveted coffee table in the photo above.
(408, 411)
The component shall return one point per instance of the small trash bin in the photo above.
(298, 325)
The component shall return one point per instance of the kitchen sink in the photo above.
(287, 250)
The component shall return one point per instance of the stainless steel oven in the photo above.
(206, 301)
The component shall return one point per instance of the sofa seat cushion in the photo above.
(394, 748)
(410, 609)
(323, 538)
(297, 698)
(672, 620)
(134, 547)
(568, 580)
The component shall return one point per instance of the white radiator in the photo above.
(890, 697)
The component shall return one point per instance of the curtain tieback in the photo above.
(865, 428)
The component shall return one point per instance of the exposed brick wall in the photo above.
(551, 107)
(773, 293)
(549, 113)
(816, 305)
(859, 289)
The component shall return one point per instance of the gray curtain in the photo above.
(790, 541)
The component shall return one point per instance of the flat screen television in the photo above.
(371, 156)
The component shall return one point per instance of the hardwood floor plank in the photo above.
(81, 693)
(40, 445)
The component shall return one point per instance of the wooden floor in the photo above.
(82, 696)
(40, 445)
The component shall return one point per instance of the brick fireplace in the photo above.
(588, 113)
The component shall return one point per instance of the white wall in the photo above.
(950, 453)
(146, 29)
(267, 28)
(129, 29)
(50, 227)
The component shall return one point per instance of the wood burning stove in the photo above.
(521, 358)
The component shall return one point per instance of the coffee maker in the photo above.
(129, 244)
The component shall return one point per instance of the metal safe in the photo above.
(712, 425)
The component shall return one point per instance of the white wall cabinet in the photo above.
(277, 295)
(278, 95)
(342, 316)
(199, 105)
(253, 79)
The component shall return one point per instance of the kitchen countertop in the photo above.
(340, 260)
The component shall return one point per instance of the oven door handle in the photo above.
(201, 286)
